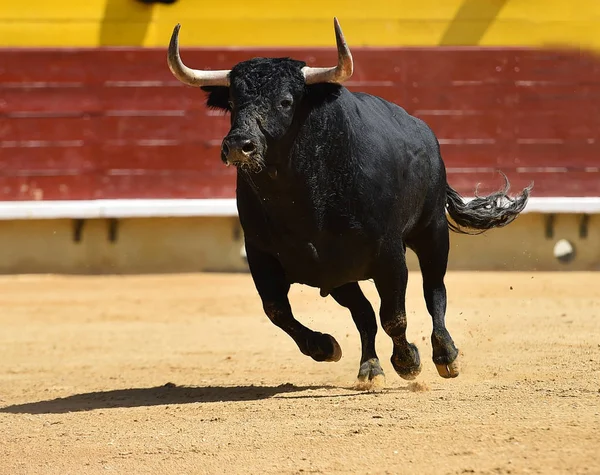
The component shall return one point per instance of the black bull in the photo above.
(332, 187)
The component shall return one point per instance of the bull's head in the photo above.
(262, 95)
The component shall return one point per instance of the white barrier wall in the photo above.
(210, 243)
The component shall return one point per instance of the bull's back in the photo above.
(390, 129)
(403, 154)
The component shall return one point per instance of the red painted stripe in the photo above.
(186, 184)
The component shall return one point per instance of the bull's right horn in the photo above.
(336, 74)
(192, 77)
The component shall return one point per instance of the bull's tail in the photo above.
(484, 212)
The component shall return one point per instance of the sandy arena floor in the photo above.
(184, 374)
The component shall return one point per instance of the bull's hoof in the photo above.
(407, 364)
(369, 369)
(323, 347)
(445, 354)
(450, 370)
(370, 376)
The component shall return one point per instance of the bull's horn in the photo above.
(337, 74)
(192, 77)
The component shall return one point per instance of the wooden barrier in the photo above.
(81, 124)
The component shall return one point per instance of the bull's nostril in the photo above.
(248, 147)
(225, 149)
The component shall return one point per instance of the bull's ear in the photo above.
(218, 97)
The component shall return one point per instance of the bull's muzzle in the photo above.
(237, 150)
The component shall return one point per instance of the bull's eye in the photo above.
(286, 103)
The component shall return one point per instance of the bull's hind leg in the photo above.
(351, 296)
(273, 288)
(391, 278)
(431, 247)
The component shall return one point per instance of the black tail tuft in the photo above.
(484, 212)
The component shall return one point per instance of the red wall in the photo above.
(114, 123)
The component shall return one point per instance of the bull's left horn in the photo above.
(337, 74)
(192, 77)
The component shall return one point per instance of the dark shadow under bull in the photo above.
(332, 187)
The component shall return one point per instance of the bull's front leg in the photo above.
(273, 287)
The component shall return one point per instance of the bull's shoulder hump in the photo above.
(375, 107)
(379, 106)
(371, 99)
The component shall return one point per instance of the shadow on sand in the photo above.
(160, 395)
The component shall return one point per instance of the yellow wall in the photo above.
(301, 23)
